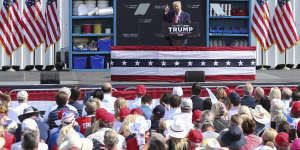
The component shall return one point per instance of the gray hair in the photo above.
(248, 89)
(286, 93)
(30, 140)
(207, 116)
(259, 92)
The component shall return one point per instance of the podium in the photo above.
(178, 34)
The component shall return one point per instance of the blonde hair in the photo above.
(180, 143)
(63, 132)
(248, 89)
(5, 100)
(245, 110)
(269, 137)
(219, 109)
(119, 103)
(221, 94)
(110, 138)
(162, 126)
(275, 93)
(177, 2)
(124, 130)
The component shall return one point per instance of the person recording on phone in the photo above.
(176, 17)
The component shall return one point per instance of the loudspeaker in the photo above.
(49, 78)
(194, 76)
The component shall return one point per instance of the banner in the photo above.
(165, 63)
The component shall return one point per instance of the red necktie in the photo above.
(175, 18)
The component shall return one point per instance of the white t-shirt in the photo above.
(169, 115)
(108, 103)
(18, 146)
(17, 111)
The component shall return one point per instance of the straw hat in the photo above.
(261, 115)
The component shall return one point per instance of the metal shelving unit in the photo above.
(77, 19)
(225, 21)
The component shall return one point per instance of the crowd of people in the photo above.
(226, 121)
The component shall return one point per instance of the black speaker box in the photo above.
(194, 76)
(49, 77)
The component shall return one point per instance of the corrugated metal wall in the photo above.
(23, 57)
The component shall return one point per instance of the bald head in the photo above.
(106, 87)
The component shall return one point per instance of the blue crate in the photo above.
(80, 62)
(104, 45)
(213, 29)
(97, 62)
(228, 30)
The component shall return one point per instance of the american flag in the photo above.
(52, 24)
(11, 26)
(261, 24)
(34, 24)
(156, 63)
(283, 26)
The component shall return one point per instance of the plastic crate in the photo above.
(97, 62)
(104, 45)
(80, 62)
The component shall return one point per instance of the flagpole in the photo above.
(11, 69)
(34, 69)
(262, 61)
(54, 51)
(285, 68)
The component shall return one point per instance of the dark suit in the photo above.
(183, 18)
(197, 103)
(248, 101)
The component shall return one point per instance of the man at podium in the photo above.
(176, 17)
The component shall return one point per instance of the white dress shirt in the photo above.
(136, 103)
(108, 103)
(169, 115)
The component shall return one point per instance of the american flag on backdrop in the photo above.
(34, 24)
(283, 26)
(11, 25)
(164, 63)
(261, 24)
(52, 24)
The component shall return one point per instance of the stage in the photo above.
(27, 78)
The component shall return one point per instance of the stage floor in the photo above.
(26, 78)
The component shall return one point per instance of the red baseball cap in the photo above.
(136, 111)
(99, 113)
(141, 90)
(282, 139)
(108, 117)
(296, 108)
(196, 115)
(124, 112)
(195, 136)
